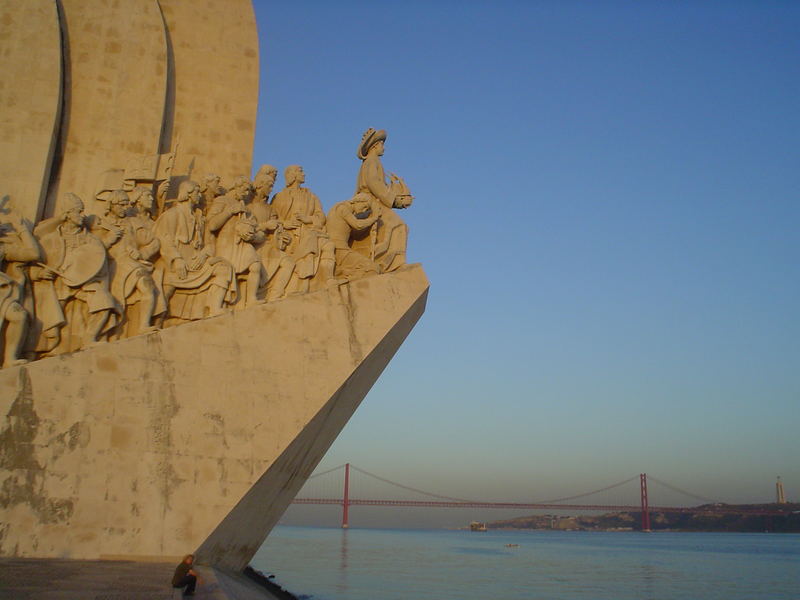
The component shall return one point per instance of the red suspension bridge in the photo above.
(341, 496)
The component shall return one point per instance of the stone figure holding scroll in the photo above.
(346, 220)
(237, 234)
(205, 282)
(386, 244)
(300, 213)
(76, 272)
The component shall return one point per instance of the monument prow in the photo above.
(178, 346)
(196, 436)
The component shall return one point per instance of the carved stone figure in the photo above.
(237, 233)
(210, 190)
(17, 247)
(346, 219)
(277, 263)
(131, 270)
(75, 268)
(388, 245)
(205, 282)
(300, 213)
(65, 285)
(143, 203)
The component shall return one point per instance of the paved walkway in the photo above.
(60, 579)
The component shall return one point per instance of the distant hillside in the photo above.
(713, 518)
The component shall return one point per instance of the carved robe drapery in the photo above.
(343, 223)
(230, 245)
(268, 250)
(81, 262)
(181, 233)
(307, 239)
(126, 270)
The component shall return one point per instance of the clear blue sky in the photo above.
(607, 207)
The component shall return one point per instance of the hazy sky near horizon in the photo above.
(607, 208)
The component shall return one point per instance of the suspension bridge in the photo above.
(331, 488)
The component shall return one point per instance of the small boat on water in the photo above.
(477, 526)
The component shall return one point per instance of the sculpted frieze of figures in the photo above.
(161, 250)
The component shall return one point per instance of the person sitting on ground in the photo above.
(185, 577)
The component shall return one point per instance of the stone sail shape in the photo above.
(115, 85)
(95, 89)
(196, 436)
(213, 94)
(234, 542)
(30, 97)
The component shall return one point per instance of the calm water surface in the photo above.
(372, 564)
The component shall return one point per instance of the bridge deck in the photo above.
(711, 510)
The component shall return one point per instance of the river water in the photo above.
(393, 564)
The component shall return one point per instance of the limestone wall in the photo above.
(90, 85)
(197, 436)
(214, 88)
(30, 100)
(115, 85)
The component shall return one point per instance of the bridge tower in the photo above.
(645, 506)
(346, 497)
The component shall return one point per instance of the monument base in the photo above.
(69, 579)
(195, 437)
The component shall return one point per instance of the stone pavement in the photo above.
(63, 579)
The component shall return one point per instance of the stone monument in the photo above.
(179, 349)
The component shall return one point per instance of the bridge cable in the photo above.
(405, 487)
(325, 472)
(679, 490)
(608, 487)
(553, 501)
(473, 501)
